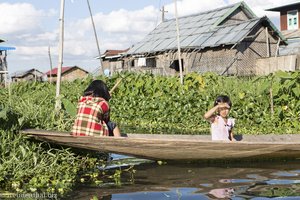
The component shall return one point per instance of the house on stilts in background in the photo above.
(3, 63)
(27, 75)
(290, 29)
(226, 40)
(111, 61)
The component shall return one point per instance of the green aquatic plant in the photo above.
(141, 103)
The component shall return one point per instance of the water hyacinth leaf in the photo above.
(23, 151)
(265, 86)
(282, 74)
(296, 91)
(34, 159)
(241, 95)
(70, 107)
(275, 88)
(50, 153)
(21, 121)
(3, 114)
(289, 83)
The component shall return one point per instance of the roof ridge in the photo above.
(207, 11)
(240, 22)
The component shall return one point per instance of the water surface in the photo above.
(260, 181)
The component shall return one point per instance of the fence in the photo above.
(265, 66)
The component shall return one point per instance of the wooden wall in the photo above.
(70, 75)
(265, 66)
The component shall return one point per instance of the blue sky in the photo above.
(32, 26)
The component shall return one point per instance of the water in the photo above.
(260, 181)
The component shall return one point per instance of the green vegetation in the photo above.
(161, 105)
(141, 103)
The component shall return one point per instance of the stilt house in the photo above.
(225, 40)
(28, 75)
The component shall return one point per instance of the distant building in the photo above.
(290, 27)
(3, 63)
(28, 75)
(111, 60)
(226, 40)
(289, 19)
(67, 73)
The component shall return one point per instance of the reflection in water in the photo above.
(153, 181)
(221, 193)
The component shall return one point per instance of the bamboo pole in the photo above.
(115, 86)
(50, 60)
(271, 99)
(60, 56)
(6, 69)
(96, 38)
(178, 44)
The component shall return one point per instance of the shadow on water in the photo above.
(196, 181)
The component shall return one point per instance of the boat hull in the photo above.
(181, 147)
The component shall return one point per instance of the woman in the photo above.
(93, 114)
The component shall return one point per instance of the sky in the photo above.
(32, 27)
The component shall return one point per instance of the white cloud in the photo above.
(32, 50)
(187, 7)
(118, 29)
(19, 17)
(115, 30)
(123, 21)
(41, 37)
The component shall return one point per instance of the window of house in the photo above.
(292, 19)
(141, 62)
(151, 62)
(175, 65)
(132, 63)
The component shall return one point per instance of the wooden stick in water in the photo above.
(115, 86)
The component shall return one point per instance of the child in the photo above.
(221, 125)
(93, 118)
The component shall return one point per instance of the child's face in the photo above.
(224, 110)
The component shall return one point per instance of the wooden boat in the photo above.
(181, 147)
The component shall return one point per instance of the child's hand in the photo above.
(223, 105)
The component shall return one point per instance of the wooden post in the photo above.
(60, 57)
(277, 47)
(163, 13)
(49, 54)
(178, 44)
(271, 99)
(267, 42)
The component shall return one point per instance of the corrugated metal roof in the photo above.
(291, 34)
(284, 7)
(197, 31)
(63, 70)
(20, 74)
(292, 48)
